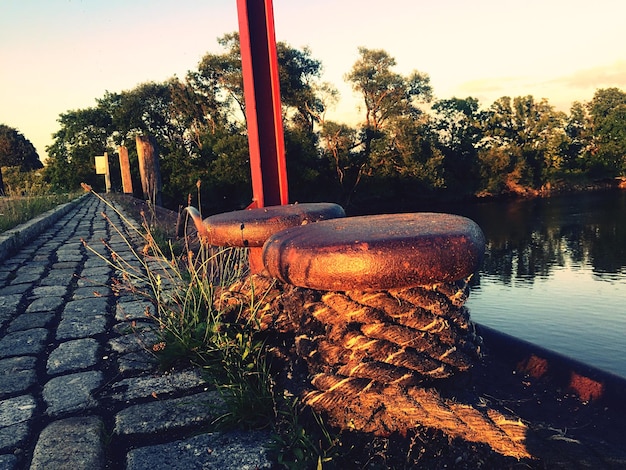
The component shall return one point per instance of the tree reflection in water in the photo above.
(529, 238)
(555, 274)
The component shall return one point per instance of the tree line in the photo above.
(406, 146)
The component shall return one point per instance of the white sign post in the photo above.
(102, 168)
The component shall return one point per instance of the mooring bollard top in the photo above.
(376, 252)
(252, 227)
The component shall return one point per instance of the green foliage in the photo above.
(457, 125)
(521, 144)
(393, 142)
(341, 146)
(607, 112)
(302, 439)
(220, 83)
(298, 75)
(246, 386)
(27, 195)
(402, 147)
(386, 94)
(578, 140)
(193, 328)
(196, 328)
(309, 173)
(25, 183)
(17, 151)
(83, 135)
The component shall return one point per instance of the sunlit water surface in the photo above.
(554, 273)
(571, 311)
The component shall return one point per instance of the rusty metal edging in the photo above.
(557, 369)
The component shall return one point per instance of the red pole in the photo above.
(259, 64)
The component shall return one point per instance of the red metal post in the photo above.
(259, 63)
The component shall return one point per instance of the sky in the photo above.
(61, 55)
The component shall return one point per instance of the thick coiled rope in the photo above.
(375, 358)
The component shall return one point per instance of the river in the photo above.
(554, 274)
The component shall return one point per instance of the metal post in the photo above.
(259, 64)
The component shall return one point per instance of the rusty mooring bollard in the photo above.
(376, 252)
(390, 300)
(375, 308)
(252, 227)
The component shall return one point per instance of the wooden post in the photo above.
(127, 182)
(149, 168)
(107, 173)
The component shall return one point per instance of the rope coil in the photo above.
(376, 357)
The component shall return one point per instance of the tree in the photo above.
(579, 140)
(16, 151)
(607, 111)
(341, 144)
(167, 112)
(522, 143)
(393, 143)
(83, 135)
(219, 79)
(386, 93)
(199, 127)
(219, 82)
(299, 76)
(457, 124)
(303, 107)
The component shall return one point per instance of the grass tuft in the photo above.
(17, 209)
(183, 279)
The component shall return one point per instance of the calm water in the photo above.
(555, 274)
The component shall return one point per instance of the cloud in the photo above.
(560, 91)
(488, 90)
(491, 86)
(612, 75)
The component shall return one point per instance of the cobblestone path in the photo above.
(78, 387)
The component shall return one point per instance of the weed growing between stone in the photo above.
(299, 444)
(196, 329)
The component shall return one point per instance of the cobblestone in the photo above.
(23, 342)
(28, 321)
(9, 302)
(14, 416)
(81, 326)
(167, 415)
(72, 392)
(79, 386)
(142, 387)
(243, 451)
(17, 374)
(44, 304)
(73, 355)
(86, 449)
